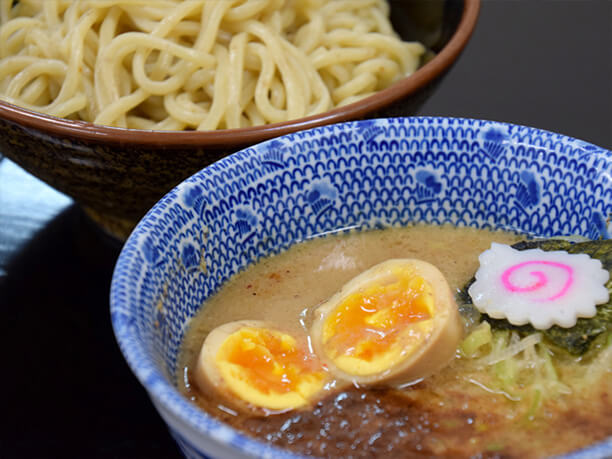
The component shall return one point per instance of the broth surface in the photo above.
(452, 413)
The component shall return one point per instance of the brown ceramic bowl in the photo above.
(118, 174)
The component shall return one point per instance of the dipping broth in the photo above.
(457, 412)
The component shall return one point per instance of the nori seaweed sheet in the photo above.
(577, 339)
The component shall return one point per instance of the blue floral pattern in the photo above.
(528, 192)
(352, 176)
(194, 198)
(428, 186)
(274, 155)
(494, 139)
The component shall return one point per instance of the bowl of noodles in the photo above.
(114, 103)
(263, 314)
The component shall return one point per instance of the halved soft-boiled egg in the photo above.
(253, 364)
(395, 323)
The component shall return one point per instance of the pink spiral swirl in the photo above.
(540, 278)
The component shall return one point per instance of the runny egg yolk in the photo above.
(267, 368)
(374, 326)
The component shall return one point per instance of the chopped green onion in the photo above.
(480, 337)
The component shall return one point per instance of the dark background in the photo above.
(539, 63)
(66, 390)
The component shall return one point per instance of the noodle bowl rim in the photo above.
(249, 135)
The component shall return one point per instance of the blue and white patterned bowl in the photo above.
(361, 175)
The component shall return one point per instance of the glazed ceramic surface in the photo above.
(346, 177)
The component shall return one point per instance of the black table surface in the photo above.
(66, 390)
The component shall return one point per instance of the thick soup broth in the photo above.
(454, 413)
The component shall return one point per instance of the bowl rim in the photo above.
(169, 396)
(111, 135)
